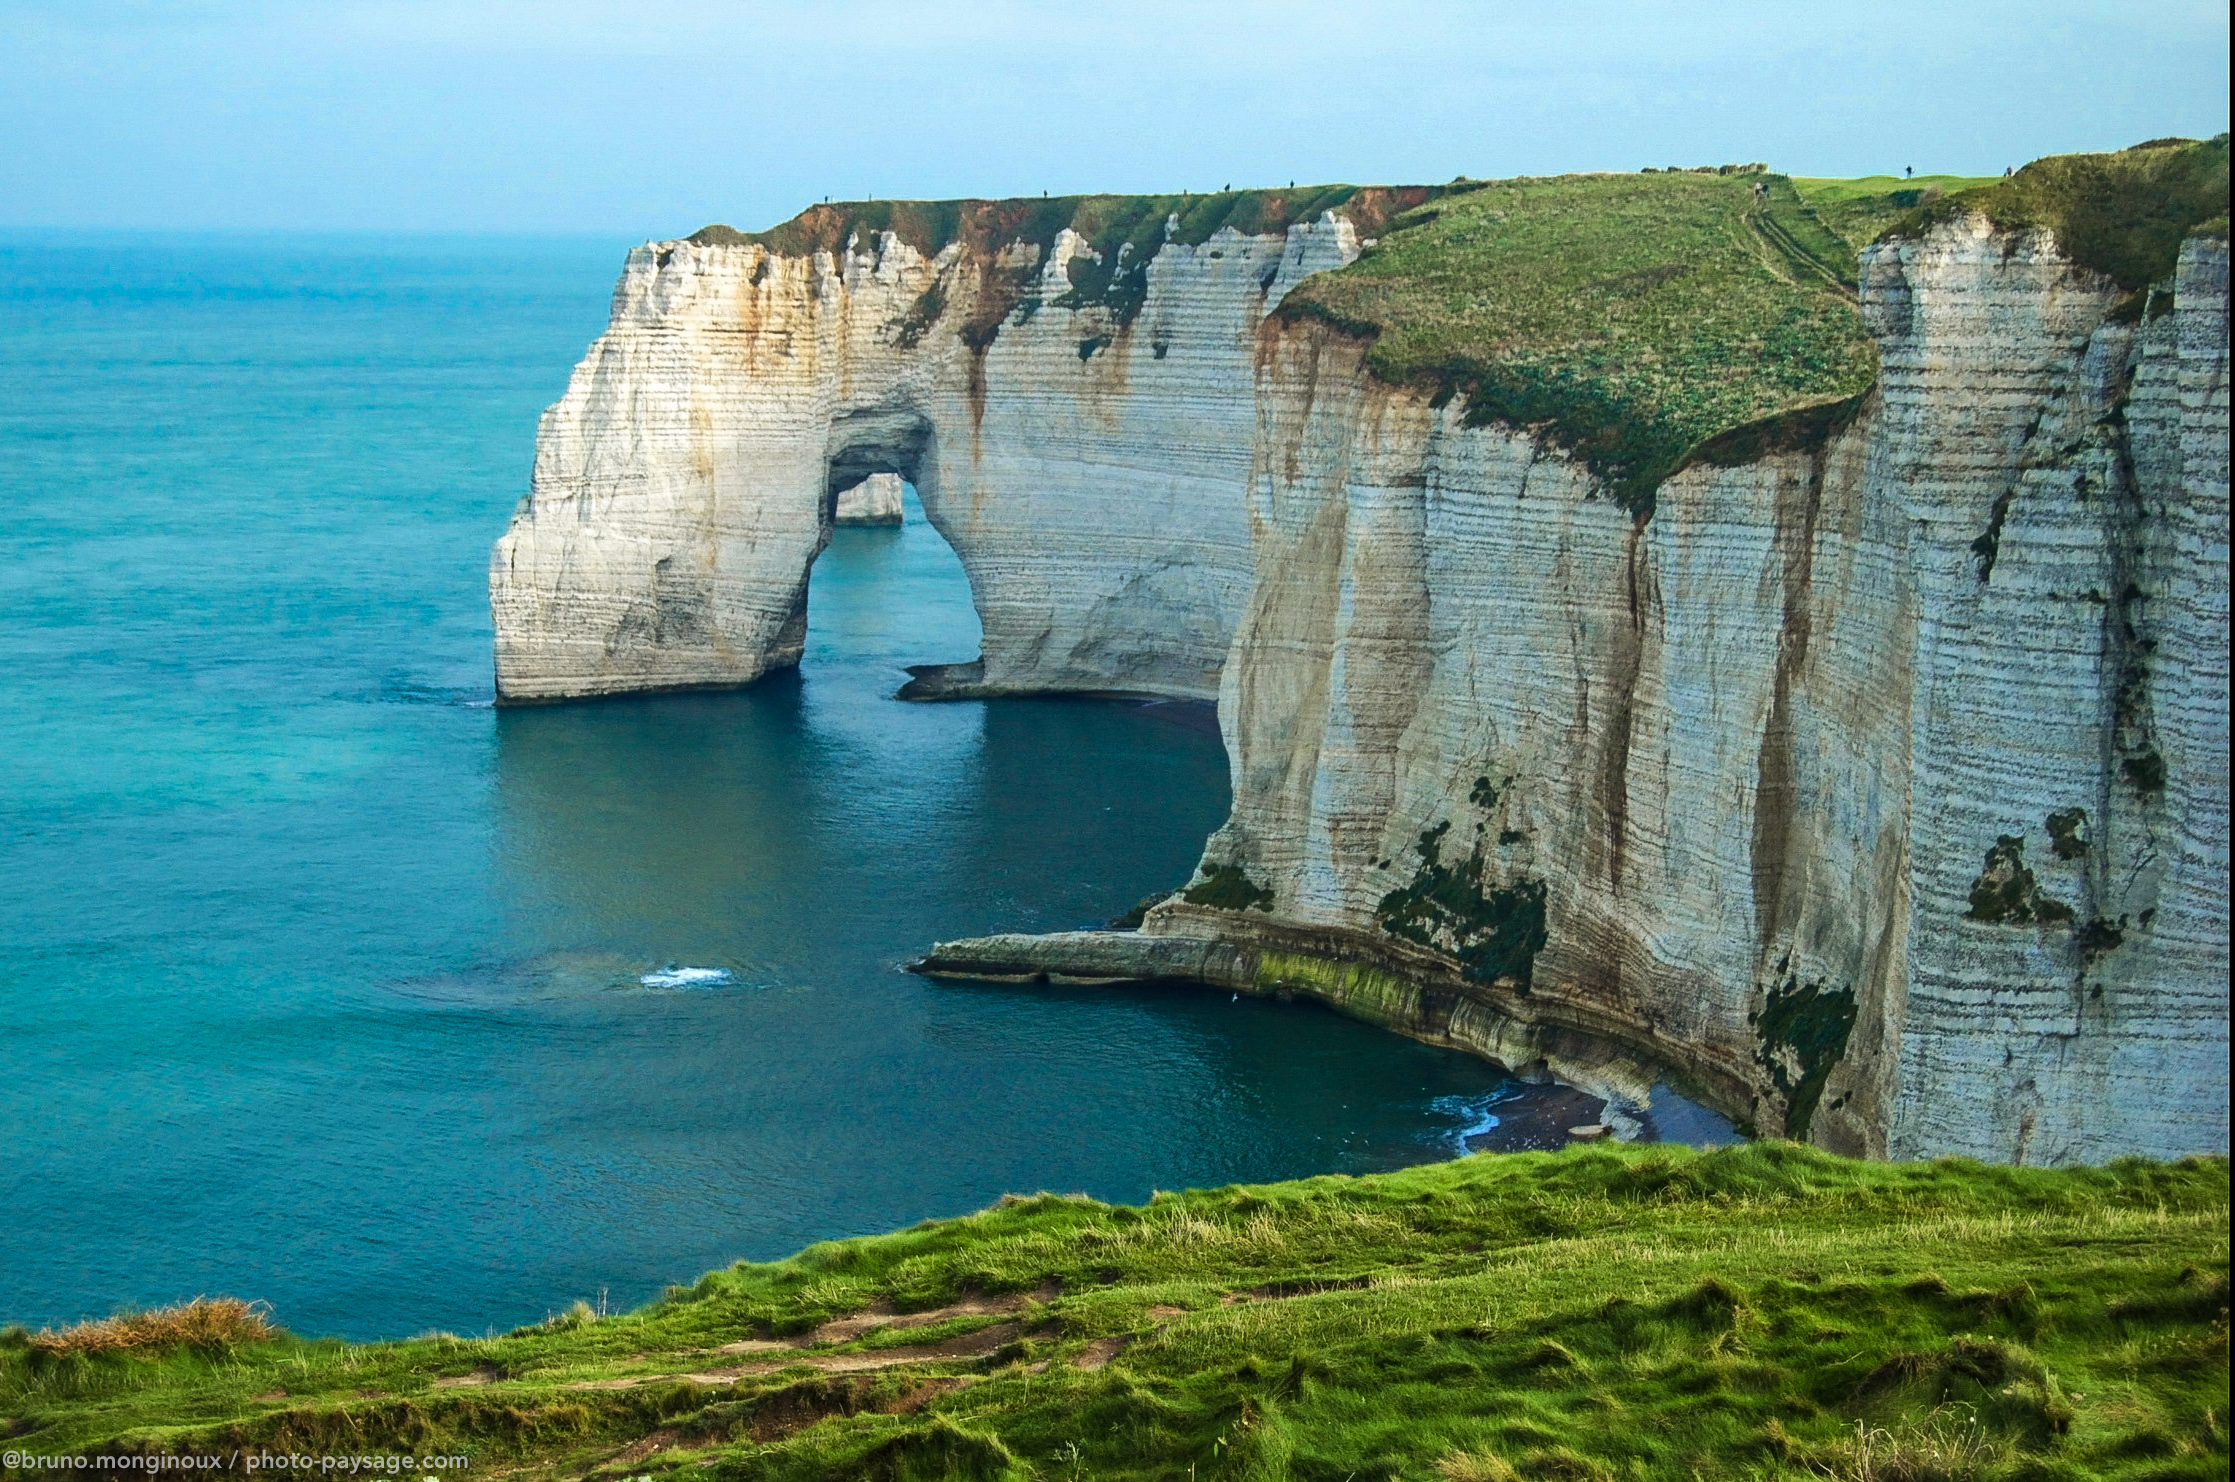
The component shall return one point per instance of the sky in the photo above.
(654, 117)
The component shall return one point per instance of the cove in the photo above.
(320, 978)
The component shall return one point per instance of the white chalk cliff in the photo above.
(1877, 791)
(874, 501)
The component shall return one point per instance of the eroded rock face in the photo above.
(1728, 780)
(1085, 467)
(1879, 788)
(873, 501)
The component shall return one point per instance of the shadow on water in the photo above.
(810, 833)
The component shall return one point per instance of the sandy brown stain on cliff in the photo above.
(1003, 247)
(1853, 1115)
(1796, 504)
(974, 387)
(751, 298)
(1266, 367)
(1105, 372)
(1624, 665)
(994, 297)
(1283, 699)
(1280, 345)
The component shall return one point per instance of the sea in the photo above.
(325, 983)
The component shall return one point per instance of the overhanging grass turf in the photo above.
(1634, 317)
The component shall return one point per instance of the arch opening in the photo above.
(864, 445)
(885, 589)
(883, 584)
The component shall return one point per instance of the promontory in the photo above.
(1763, 635)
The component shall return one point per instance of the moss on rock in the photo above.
(1802, 1032)
(1494, 934)
(2006, 891)
(1228, 887)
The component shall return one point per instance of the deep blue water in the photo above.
(319, 977)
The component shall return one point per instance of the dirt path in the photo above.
(878, 1316)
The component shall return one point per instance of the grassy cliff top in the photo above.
(1125, 232)
(1107, 221)
(1861, 210)
(1638, 318)
(2124, 215)
(1604, 1312)
(1642, 321)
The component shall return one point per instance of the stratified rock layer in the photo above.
(1878, 788)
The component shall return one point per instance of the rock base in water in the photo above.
(1391, 987)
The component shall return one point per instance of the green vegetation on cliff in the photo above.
(2124, 215)
(1642, 322)
(1861, 210)
(1645, 1312)
(1636, 318)
(1106, 221)
(1124, 231)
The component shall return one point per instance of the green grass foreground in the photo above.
(1604, 1312)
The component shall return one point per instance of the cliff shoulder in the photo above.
(2123, 215)
(1635, 318)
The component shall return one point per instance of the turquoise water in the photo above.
(320, 978)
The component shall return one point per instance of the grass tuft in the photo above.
(1474, 1466)
(206, 1324)
(1950, 1445)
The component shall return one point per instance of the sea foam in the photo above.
(672, 976)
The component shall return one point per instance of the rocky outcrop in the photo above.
(1083, 464)
(1873, 784)
(873, 501)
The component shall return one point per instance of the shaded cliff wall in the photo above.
(1878, 786)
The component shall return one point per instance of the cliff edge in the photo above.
(1635, 621)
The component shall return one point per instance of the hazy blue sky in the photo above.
(652, 117)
